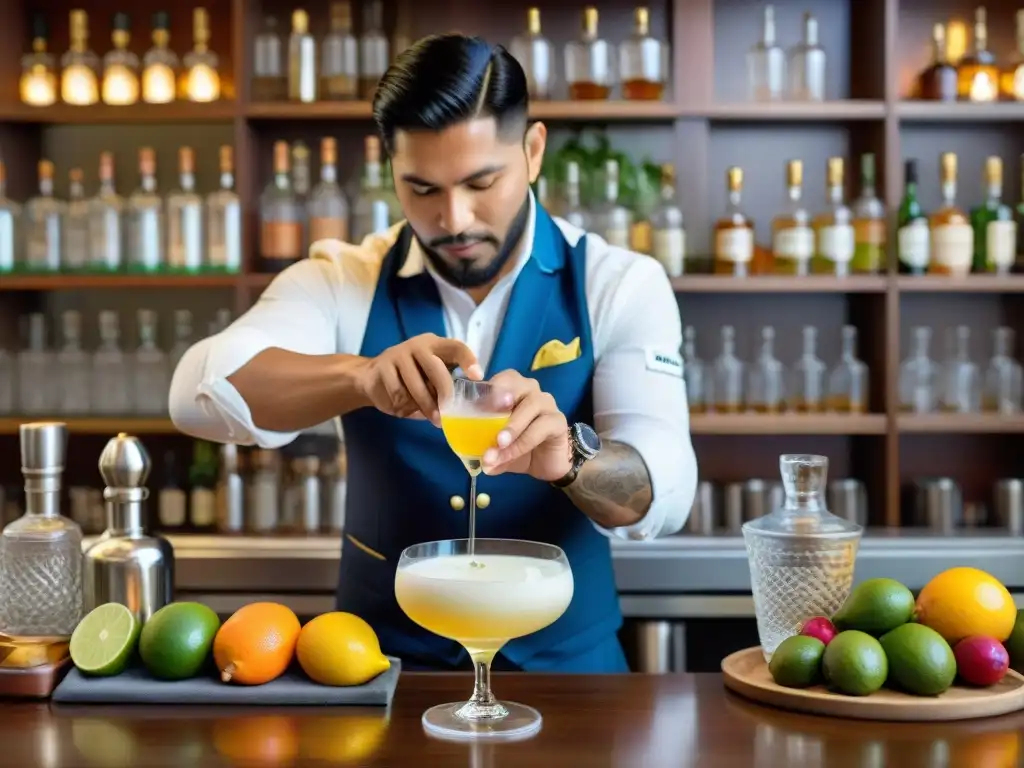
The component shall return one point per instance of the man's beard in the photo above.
(465, 273)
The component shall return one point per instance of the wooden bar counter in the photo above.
(627, 721)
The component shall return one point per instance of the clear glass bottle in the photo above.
(590, 62)
(44, 225)
(160, 64)
(612, 220)
(339, 56)
(978, 71)
(302, 77)
(112, 390)
(571, 207)
(185, 232)
(38, 84)
(376, 208)
(200, 78)
(106, 222)
(328, 208)
(834, 238)
(995, 231)
(669, 235)
(535, 54)
(73, 396)
(10, 227)
(766, 63)
(807, 391)
(374, 50)
(962, 381)
(182, 337)
(952, 237)
(869, 223)
(695, 374)
(807, 63)
(1004, 378)
(766, 380)
(146, 245)
(848, 381)
(801, 556)
(152, 377)
(728, 375)
(76, 225)
(224, 219)
(35, 369)
(643, 61)
(734, 232)
(41, 552)
(280, 216)
(120, 66)
(79, 78)
(792, 235)
(269, 77)
(919, 375)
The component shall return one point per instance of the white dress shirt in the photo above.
(321, 306)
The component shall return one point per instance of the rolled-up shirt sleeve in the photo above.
(297, 312)
(640, 395)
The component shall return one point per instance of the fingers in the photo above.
(416, 385)
(437, 376)
(454, 352)
(511, 387)
(528, 409)
(541, 429)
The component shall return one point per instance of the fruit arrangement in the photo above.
(257, 644)
(963, 628)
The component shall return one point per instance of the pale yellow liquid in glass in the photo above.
(470, 436)
(485, 600)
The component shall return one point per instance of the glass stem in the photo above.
(472, 515)
(482, 695)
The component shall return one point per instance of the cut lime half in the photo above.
(104, 640)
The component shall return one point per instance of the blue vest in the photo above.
(402, 474)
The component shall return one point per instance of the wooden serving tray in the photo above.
(746, 673)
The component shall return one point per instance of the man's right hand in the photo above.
(411, 379)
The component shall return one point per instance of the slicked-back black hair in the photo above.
(442, 80)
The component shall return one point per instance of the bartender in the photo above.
(582, 336)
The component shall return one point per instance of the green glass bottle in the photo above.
(913, 238)
(995, 231)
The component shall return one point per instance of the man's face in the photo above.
(464, 192)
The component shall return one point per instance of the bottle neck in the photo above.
(124, 510)
(42, 493)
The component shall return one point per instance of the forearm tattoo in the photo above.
(615, 488)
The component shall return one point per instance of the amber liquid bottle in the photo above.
(792, 236)
(977, 72)
(952, 237)
(642, 61)
(938, 82)
(734, 232)
(589, 62)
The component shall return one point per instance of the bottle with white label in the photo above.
(734, 232)
(613, 220)
(10, 225)
(146, 247)
(912, 234)
(952, 237)
(995, 231)
(833, 228)
(669, 240)
(792, 236)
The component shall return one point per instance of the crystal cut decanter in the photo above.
(801, 555)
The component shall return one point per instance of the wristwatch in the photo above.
(584, 445)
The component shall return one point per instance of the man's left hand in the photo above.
(535, 441)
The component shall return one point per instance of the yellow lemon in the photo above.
(961, 602)
(340, 649)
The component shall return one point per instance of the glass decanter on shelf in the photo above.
(766, 63)
(766, 387)
(727, 381)
(961, 390)
(1004, 378)
(848, 381)
(801, 556)
(918, 375)
(807, 391)
(695, 374)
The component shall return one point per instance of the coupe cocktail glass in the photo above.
(504, 590)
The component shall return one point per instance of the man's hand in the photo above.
(535, 441)
(412, 378)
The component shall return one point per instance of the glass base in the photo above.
(446, 721)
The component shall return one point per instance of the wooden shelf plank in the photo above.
(787, 424)
(542, 110)
(107, 425)
(942, 111)
(177, 112)
(960, 424)
(772, 284)
(969, 284)
(792, 111)
(76, 282)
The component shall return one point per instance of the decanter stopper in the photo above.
(44, 448)
(124, 462)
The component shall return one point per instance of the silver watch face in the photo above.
(588, 442)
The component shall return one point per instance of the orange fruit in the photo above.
(264, 740)
(256, 644)
(961, 602)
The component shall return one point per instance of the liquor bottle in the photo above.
(224, 219)
(952, 238)
(269, 76)
(961, 390)
(280, 217)
(106, 221)
(695, 374)
(766, 63)
(120, 66)
(571, 208)
(669, 235)
(41, 552)
(172, 501)
(112, 390)
(328, 208)
(977, 72)
(912, 234)
(152, 376)
(612, 220)
(792, 236)
(374, 50)
(1004, 378)
(833, 229)
(848, 381)
(185, 233)
(734, 232)
(589, 62)
(73, 393)
(807, 62)
(182, 337)
(807, 393)
(302, 83)
(200, 81)
(536, 56)
(38, 84)
(160, 64)
(727, 375)
(146, 246)
(376, 208)
(44, 225)
(76, 225)
(869, 223)
(339, 65)
(10, 227)
(35, 369)
(766, 383)
(995, 231)
(643, 61)
(202, 478)
(919, 375)
(79, 81)
(939, 81)
(1012, 79)
(301, 185)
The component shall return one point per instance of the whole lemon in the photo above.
(961, 602)
(340, 648)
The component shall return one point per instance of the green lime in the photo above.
(920, 661)
(104, 640)
(855, 664)
(175, 642)
(796, 663)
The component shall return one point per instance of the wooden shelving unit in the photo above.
(105, 426)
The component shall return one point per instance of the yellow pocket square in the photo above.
(555, 352)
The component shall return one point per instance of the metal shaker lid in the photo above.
(124, 462)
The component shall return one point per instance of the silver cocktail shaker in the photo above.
(126, 565)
